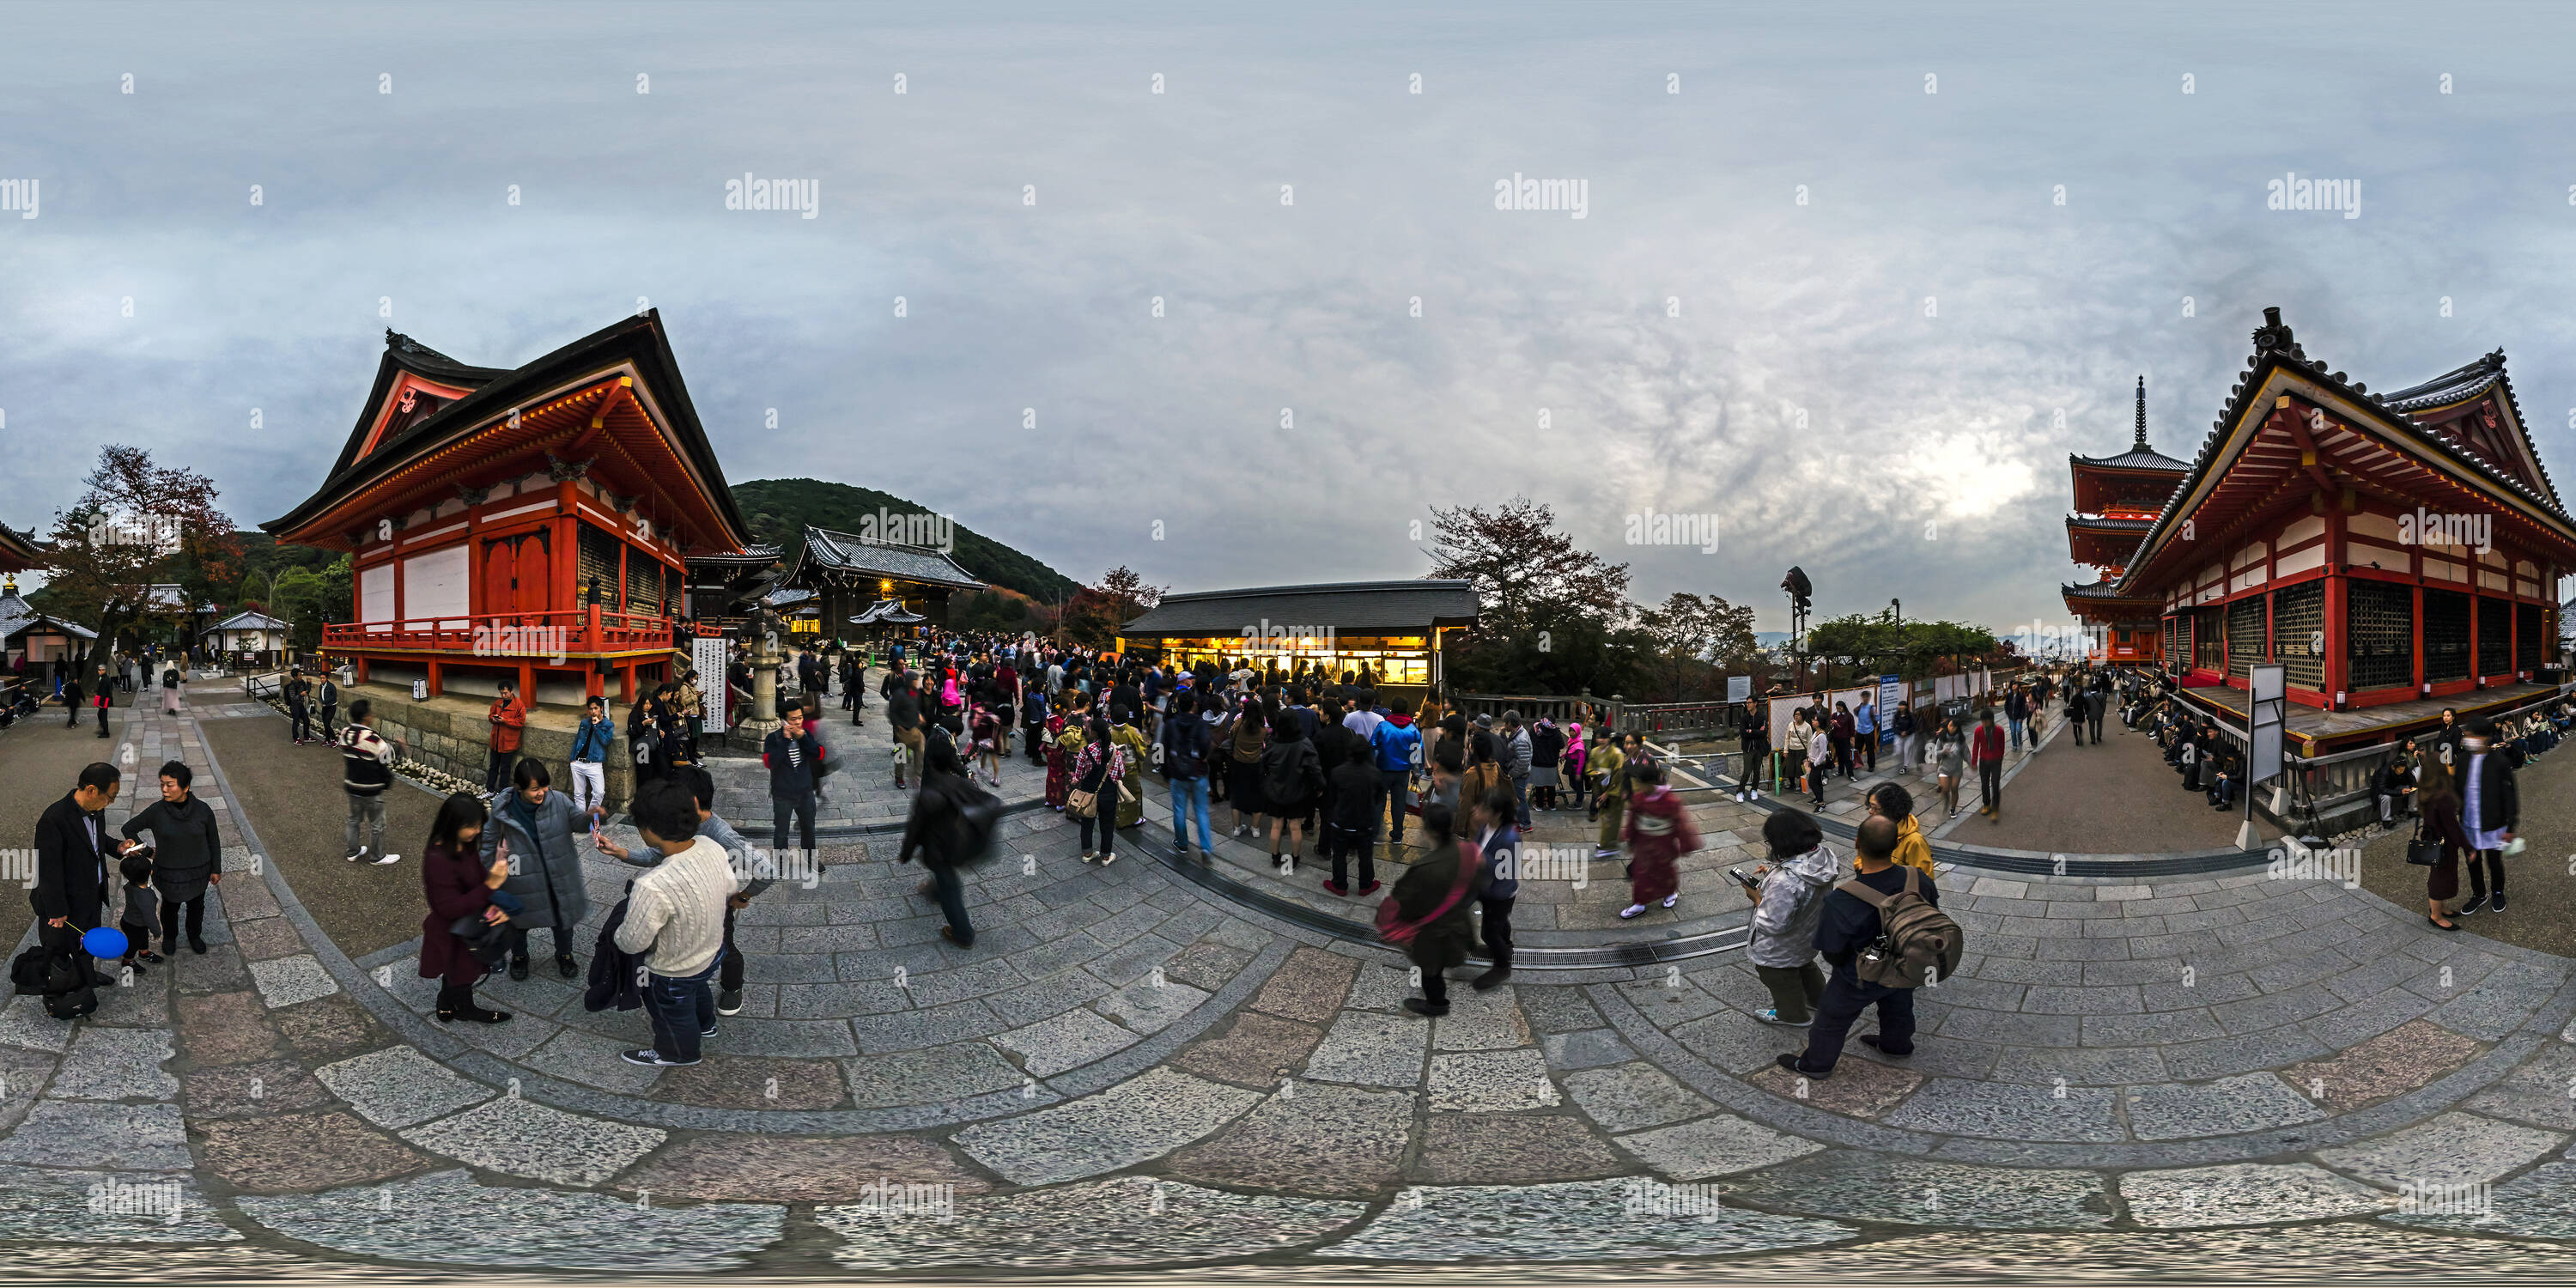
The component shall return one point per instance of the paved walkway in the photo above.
(2117, 797)
(1130, 1070)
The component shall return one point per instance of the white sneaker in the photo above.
(356, 854)
(390, 858)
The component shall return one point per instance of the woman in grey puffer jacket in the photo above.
(1785, 912)
(540, 825)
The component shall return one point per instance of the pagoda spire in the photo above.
(2142, 412)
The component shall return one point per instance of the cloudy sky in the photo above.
(2009, 213)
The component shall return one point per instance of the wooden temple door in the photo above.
(517, 575)
(500, 577)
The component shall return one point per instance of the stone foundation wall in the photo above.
(450, 734)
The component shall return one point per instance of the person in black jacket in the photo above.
(930, 832)
(903, 717)
(2490, 812)
(794, 759)
(73, 847)
(1849, 924)
(1350, 816)
(1291, 777)
(187, 854)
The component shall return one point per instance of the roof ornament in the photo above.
(473, 495)
(2274, 336)
(561, 470)
(2142, 411)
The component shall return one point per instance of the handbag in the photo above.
(487, 942)
(1394, 929)
(2423, 851)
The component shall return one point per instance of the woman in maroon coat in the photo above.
(458, 885)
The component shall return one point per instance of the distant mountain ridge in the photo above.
(779, 511)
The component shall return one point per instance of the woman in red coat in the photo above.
(458, 885)
(1659, 834)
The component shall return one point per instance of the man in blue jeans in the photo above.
(1394, 744)
(1184, 748)
(1849, 925)
(675, 918)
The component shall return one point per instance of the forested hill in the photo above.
(780, 509)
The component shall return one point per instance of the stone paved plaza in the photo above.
(1139, 1065)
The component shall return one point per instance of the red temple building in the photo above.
(532, 523)
(2397, 552)
(2117, 498)
(18, 551)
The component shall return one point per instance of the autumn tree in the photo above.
(1696, 639)
(132, 519)
(1522, 565)
(1094, 613)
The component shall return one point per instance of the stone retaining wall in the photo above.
(450, 734)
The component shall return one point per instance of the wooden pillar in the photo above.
(437, 677)
(567, 551)
(2338, 659)
(2417, 626)
(2477, 665)
(528, 683)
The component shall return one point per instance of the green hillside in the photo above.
(780, 509)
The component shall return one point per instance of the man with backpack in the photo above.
(1885, 935)
(366, 770)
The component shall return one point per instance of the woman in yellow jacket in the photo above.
(1610, 768)
(1913, 849)
(1131, 807)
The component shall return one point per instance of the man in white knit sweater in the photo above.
(675, 922)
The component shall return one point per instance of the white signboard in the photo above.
(1739, 688)
(2269, 686)
(707, 654)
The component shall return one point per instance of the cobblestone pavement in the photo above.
(1132, 1069)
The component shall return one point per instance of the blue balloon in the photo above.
(105, 941)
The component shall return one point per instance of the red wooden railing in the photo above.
(542, 634)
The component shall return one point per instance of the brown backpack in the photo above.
(1917, 943)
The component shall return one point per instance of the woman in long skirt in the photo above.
(1059, 763)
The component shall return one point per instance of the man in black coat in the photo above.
(2490, 812)
(73, 852)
